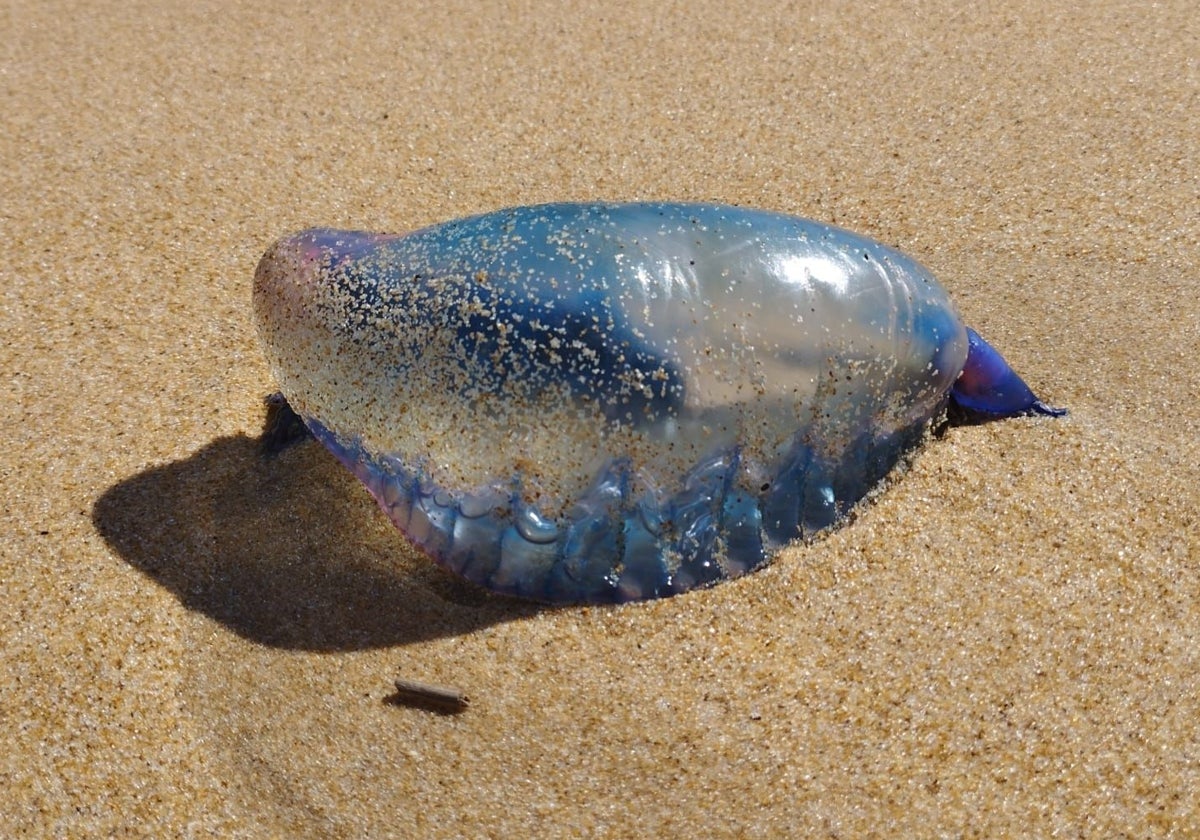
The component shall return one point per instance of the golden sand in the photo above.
(198, 641)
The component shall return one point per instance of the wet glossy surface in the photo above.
(609, 402)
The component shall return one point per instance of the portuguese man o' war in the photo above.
(612, 402)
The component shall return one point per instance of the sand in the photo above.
(198, 641)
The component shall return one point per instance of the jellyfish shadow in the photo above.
(287, 550)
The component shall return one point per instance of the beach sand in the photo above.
(200, 641)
